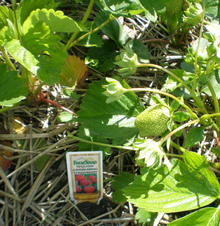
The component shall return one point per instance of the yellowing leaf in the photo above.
(73, 71)
(17, 125)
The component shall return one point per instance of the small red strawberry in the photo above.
(84, 183)
(79, 177)
(90, 182)
(92, 178)
(89, 189)
(78, 189)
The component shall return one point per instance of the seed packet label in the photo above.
(85, 176)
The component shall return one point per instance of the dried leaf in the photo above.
(18, 125)
(4, 162)
(73, 72)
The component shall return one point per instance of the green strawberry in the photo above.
(153, 121)
(174, 6)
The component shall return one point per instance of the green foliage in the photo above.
(194, 136)
(13, 88)
(121, 181)
(114, 29)
(208, 216)
(105, 55)
(28, 36)
(164, 191)
(36, 36)
(121, 8)
(104, 121)
(144, 217)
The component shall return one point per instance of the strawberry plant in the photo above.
(161, 132)
(31, 36)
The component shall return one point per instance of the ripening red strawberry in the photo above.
(92, 178)
(78, 189)
(84, 182)
(89, 189)
(79, 177)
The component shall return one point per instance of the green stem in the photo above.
(5, 109)
(197, 100)
(163, 28)
(177, 147)
(93, 31)
(193, 115)
(86, 16)
(178, 129)
(7, 60)
(102, 144)
(197, 49)
(215, 100)
(168, 72)
(174, 155)
(211, 115)
(13, 3)
(37, 91)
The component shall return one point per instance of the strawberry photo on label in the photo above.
(84, 183)
(89, 189)
(79, 177)
(78, 189)
(92, 178)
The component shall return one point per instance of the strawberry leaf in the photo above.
(114, 30)
(13, 88)
(170, 191)
(193, 137)
(145, 217)
(73, 71)
(100, 121)
(25, 8)
(56, 20)
(121, 181)
(121, 7)
(5, 14)
(40, 51)
(105, 55)
(199, 164)
(209, 216)
(180, 116)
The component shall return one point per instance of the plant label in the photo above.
(85, 176)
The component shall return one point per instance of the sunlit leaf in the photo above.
(121, 7)
(107, 121)
(25, 8)
(40, 51)
(144, 217)
(5, 14)
(172, 190)
(209, 216)
(180, 116)
(56, 20)
(199, 166)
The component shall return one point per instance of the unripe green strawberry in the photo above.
(153, 121)
(174, 6)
